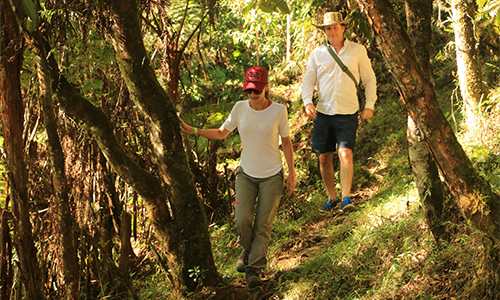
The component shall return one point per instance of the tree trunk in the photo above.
(472, 194)
(426, 177)
(12, 111)
(424, 170)
(66, 223)
(468, 64)
(125, 245)
(5, 255)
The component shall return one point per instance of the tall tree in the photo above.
(66, 222)
(174, 208)
(472, 194)
(469, 68)
(424, 169)
(12, 126)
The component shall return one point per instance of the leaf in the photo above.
(30, 11)
(270, 6)
(248, 8)
(283, 7)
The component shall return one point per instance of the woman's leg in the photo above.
(246, 194)
(270, 191)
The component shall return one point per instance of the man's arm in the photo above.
(308, 84)
(367, 76)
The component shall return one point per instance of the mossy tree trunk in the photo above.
(472, 194)
(66, 223)
(12, 126)
(469, 68)
(424, 170)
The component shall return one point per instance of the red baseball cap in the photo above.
(255, 78)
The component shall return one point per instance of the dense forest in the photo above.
(102, 197)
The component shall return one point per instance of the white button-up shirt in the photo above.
(337, 93)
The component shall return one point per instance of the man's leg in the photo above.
(327, 173)
(346, 157)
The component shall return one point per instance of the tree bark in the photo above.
(12, 111)
(426, 177)
(125, 245)
(66, 223)
(5, 255)
(424, 170)
(472, 194)
(469, 69)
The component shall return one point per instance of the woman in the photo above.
(260, 123)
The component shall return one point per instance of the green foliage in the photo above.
(268, 6)
(489, 11)
(32, 17)
(196, 274)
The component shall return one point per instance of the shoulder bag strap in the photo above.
(341, 64)
(346, 70)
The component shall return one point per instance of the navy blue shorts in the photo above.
(332, 132)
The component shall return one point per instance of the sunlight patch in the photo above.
(398, 207)
(300, 290)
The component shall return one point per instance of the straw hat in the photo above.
(332, 18)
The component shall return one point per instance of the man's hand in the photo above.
(366, 114)
(311, 111)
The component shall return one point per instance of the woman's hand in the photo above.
(187, 129)
(290, 183)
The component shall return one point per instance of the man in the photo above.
(336, 114)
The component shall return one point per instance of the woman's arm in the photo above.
(216, 134)
(286, 142)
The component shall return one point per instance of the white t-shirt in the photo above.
(259, 131)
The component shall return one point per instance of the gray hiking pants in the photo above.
(255, 237)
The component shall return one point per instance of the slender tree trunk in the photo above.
(125, 245)
(424, 169)
(5, 255)
(12, 111)
(468, 61)
(472, 194)
(426, 177)
(66, 223)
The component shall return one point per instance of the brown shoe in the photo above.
(242, 261)
(252, 275)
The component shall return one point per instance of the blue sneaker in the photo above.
(348, 204)
(329, 205)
